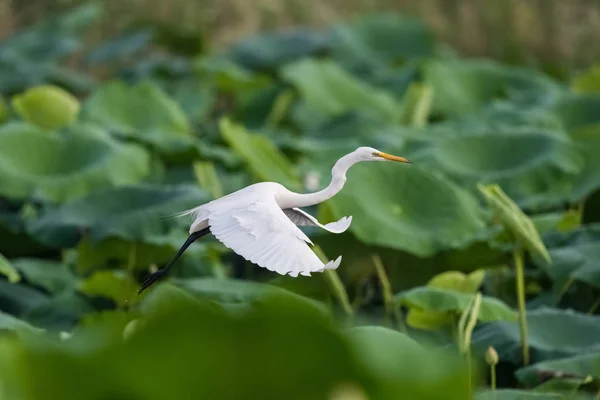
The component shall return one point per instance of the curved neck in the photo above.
(338, 179)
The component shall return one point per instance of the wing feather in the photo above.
(262, 233)
(302, 218)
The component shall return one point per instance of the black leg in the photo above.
(150, 279)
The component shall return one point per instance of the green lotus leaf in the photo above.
(448, 300)
(18, 298)
(269, 51)
(229, 290)
(581, 365)
(536, 168)
(514, 394)
(552, 333)
(8, 270)
(379, 349)
(426, 317)
(142, 112)
(465, 86)
(11, 323)
(47, 106)
(65, 165)
(327, 88)
(60, 312)
(134, 213)
(578, 111)
(53, 276)
(114, 285)
(408, 208)
(576, 258)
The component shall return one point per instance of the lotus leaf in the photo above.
(581, 366)
(466, 86)
(515, 221)
(513, 394)
(382, 349)
(134, 213)
(261, 156)
(53, 276)
(553, 333)
(65, 165)
(269, 51)
(452, 280)
(143, 112)
(47, 106)
(410, 209)
(326, 87)
(577, 257)
(8, 270)
(446, 300)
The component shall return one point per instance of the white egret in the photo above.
(260, 222)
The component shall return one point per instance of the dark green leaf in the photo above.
(552, 333)
(134, 213)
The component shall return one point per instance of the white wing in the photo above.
(260, 232)
(302, 218)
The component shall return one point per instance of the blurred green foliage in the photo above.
(93, 168)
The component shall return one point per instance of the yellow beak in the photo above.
(393, 158)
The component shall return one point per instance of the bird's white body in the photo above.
(260, 222)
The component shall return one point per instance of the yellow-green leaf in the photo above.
(8, 270)
(262, 157)
(515, 220)
(451, 280)
(47, 106)
(206, 176)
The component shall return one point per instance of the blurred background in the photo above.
(552, 34)
(471, 273)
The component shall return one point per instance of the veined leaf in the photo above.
(135, 213)
(581, 365)
(262, 157)
(515, 220)
(328, 88)
(143, 112)
(392, 207)
(446, 300)
(452, 280)
(11, 323)
(208, 179)
(513, 394)
(65, 165)
(53, 276)
(552, 334)
(7, 269)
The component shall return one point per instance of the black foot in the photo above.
(152, 278)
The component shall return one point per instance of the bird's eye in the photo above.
(376, 154)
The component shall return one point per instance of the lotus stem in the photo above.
(518, 257)
(336, 283)
(131, 261)
(386, 287)
(491, 357)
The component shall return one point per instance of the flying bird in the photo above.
(260, 222)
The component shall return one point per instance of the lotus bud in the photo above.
(491, 356)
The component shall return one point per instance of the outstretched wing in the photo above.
(261, 233)
(301, 218)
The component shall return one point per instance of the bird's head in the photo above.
(371, 154)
